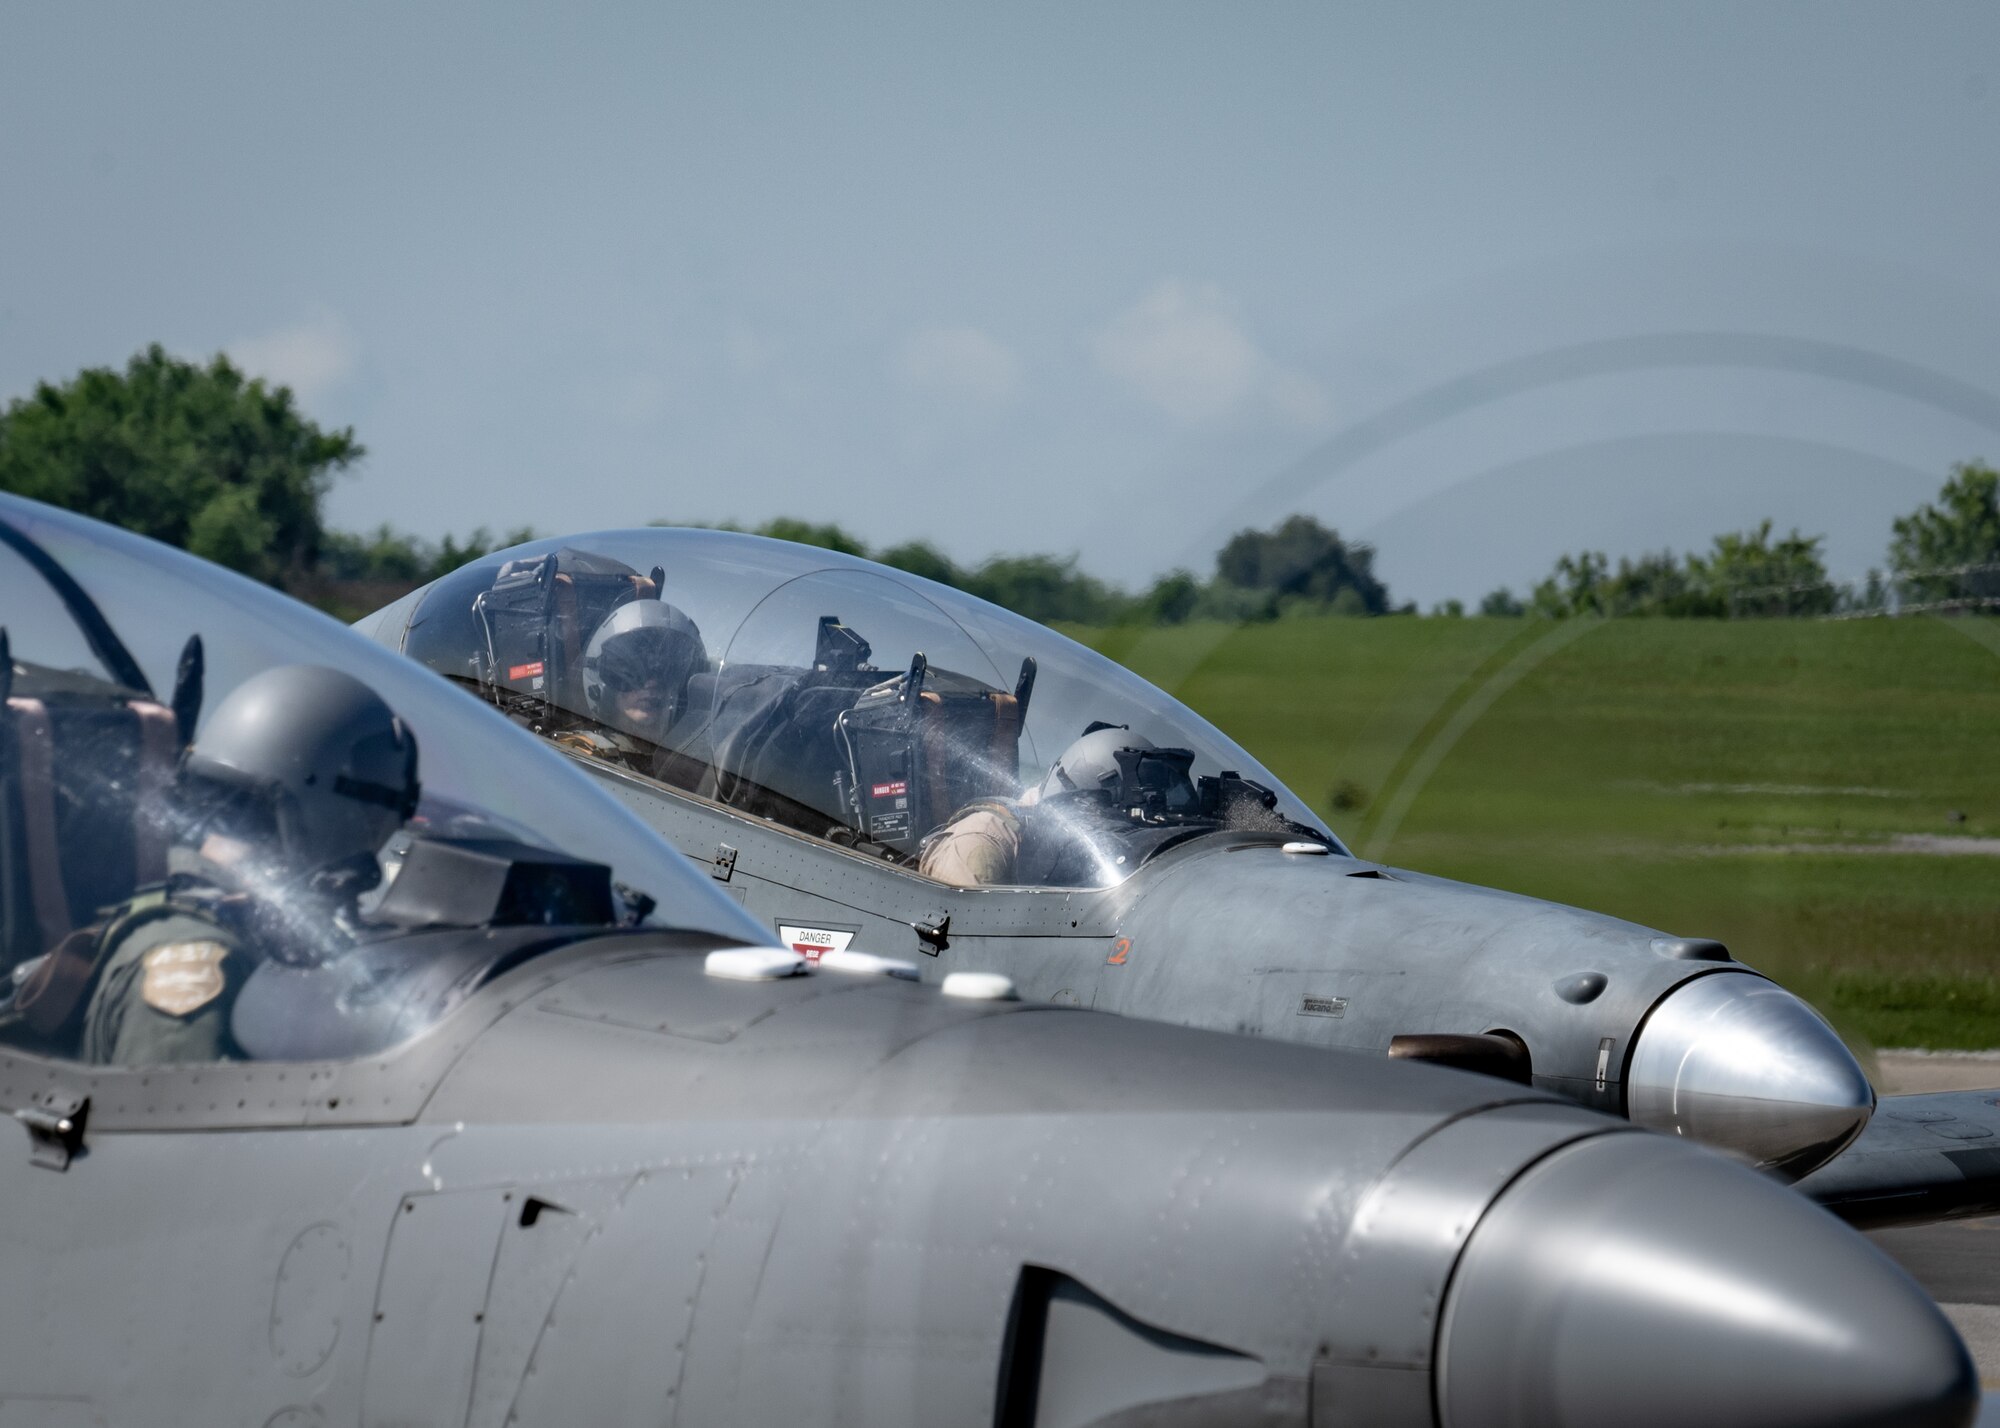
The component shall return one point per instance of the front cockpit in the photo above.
(850, 703)
(231, 830)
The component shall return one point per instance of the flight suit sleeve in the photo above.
(976, 848)
(165, 995)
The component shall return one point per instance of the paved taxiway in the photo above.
(1958, 1262)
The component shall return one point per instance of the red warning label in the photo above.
(814, 943)
(891, 790)
(524, 671)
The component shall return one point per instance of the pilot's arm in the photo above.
(976, 847)
(598, 744)
(165, 994)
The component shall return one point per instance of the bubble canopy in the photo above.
(472, 760)
(845, 699)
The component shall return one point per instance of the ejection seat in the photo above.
(34, 902)
(845, 754)
(84, 775)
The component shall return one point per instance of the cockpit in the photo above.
(851, 703)
(229, 818)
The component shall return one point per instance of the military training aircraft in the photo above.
(374, 1067)
(864, 758)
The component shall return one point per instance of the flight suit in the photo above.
(172, 964)
(976, 847)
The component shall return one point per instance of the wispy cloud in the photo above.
(963, 363)
(312, 356)
(1183, 347)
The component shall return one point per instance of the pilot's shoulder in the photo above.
(988, 812)
(181, 908)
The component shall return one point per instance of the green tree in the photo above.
(1579, 585)
(1585, 584)
(826, 537)
(1658, 584)
(1171, 600)
(1745, 573)
(1302, 563)
(1749, 574)
(1046, 588)
(390, 556)
(1502, 604)
(1948, 553)
(920, 557)
(381, 554)
(200, 457)
(449, 554)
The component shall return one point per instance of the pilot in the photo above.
(299, 778)
(635, 682)
(981, 844)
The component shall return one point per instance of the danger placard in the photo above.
(812, 943)
(896, 789)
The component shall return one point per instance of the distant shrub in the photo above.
(1347, 796)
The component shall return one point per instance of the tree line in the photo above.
(1297, 567)
(204, 457)
(1942, 557)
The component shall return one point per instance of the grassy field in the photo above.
(1787, 786)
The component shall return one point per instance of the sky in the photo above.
(1476, 284)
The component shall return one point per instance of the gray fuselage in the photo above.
(612, 1189)
(1232, 932)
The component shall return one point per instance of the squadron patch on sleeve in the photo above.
(183, 977)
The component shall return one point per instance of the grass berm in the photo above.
(1824, 796)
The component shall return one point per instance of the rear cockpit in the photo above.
(846, 701)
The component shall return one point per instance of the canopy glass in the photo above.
(846, 700)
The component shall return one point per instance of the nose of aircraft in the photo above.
(1625, 1281)
(1741, 1064)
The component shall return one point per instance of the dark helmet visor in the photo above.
(646, 656)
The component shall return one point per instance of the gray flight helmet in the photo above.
(640, 642)
(1092, 761)
(332, 764)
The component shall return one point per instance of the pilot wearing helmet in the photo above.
(636, 669)
(300, 776)
(1044, 836)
